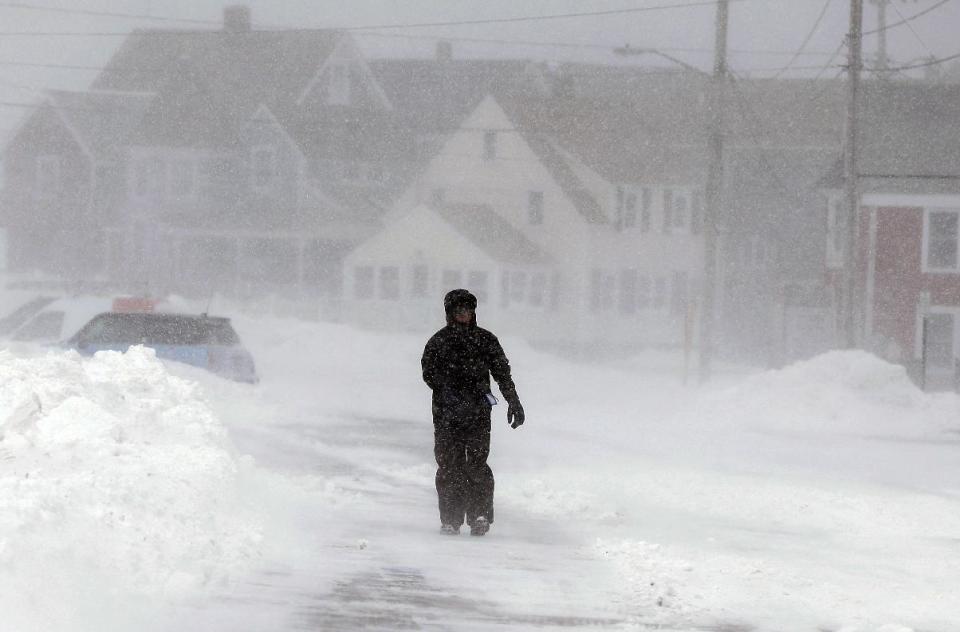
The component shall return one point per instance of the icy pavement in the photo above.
(387, 567)
(151, 496)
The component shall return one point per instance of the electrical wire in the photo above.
(913, 30)
(926, 64)
(806, 40)
(906, 20)
(530, 18)
(26, 6)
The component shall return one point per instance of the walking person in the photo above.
(457, 364)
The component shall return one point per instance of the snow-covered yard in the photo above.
(141, 495)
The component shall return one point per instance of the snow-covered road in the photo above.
(138, 495)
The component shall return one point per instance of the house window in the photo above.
(667, 210)
(535, 207)
(477, 283)
(421, 277)
(628, 291)
(659, 293)
(643, 292)
(363, 282)
(183, 178)
(148, 176)
(939, 341)
(941, 239)
(518, 286)
(338, 87)
(680, 210)
(452, 279)
(47, 183)
(489, 145)
(601, 291)
(538, 289)
(630, 210)
(618, 211)
(696, 212)
(264, 166)
(390, 283)
(678, 298)
(646, 201)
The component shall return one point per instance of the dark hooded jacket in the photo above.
(459, 359)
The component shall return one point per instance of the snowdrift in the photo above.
(840, 392)
(116, 483)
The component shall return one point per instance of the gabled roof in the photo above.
(437, 94)
(492, 233)
(208, 82)
(102, 119)
(909, 139)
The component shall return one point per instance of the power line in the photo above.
(108, 14)
(926, 64)
(806, 40)
(913, 30)
(831, 60)
(555, 16)
(529, 18)
(907, 20)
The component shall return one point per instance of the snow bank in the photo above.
(116, 482)
(840, 392)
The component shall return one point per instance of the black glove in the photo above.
(515, 415)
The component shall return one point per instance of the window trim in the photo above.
(925, 253)
(918, 333)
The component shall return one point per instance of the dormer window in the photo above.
(338, 84)
(263, 166)
(489, 145)
(47, 184)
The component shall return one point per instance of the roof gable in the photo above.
(209, 82)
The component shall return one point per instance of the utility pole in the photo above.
(714, 193)
(850, 166)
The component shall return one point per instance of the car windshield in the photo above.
(45, 326)
(20, 315)
(158, 329)
(163, 329)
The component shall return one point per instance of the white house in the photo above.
(556, 251)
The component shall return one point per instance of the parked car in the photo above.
(58, 320)
(199, 340)
(22, 313)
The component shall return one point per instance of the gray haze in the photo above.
(756, 25)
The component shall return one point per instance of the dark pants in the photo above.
(461, 436)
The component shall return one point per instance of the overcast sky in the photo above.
(763, 33)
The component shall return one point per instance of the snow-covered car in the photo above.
(203, 341)
(58, 320)
(24, 311)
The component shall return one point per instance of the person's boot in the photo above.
(449, 529)
(480, 526)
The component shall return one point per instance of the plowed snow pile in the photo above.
(117, 483)
(841, 392)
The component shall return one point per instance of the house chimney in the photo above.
(444, 50)
(236, 19)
